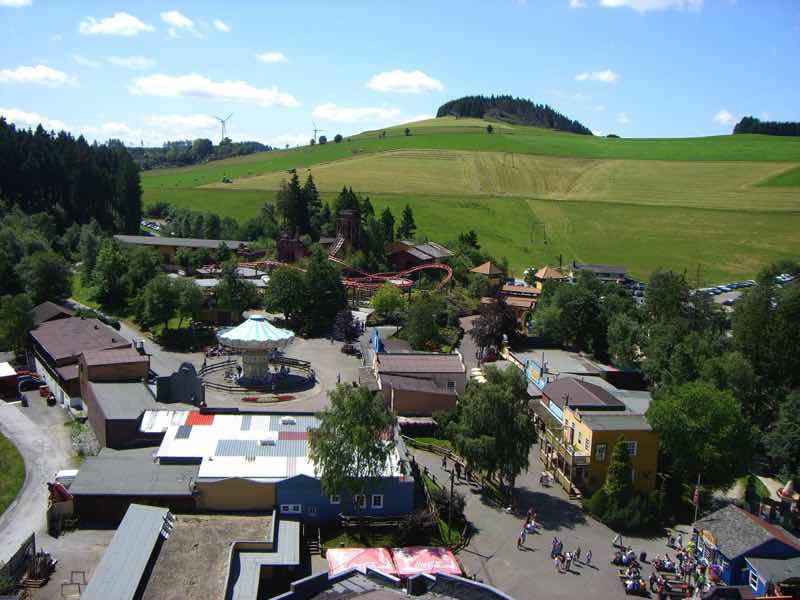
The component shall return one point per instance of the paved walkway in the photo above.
(493, 556)
(39, 434)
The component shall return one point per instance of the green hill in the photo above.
(726, 203)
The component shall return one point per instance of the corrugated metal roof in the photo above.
(246, 421)
(147, 240)
(120, 571)
(289, 448)
(183, 432)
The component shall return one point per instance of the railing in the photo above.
(303, 366)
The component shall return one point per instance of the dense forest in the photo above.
(190, 152)
(68, 179)
(512, 110)
(753, 125)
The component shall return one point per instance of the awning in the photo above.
(344, 559)
(256, 333)
(423, 559)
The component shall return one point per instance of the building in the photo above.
(156, 554)
(419, 383)
(370, 584)
(169, 246)
(50, 311)
(774, 576)
(405, 254)
(547, 273)
(580, 424)
(605, 273)
(732, 537)
(489, 270)
(57, 346)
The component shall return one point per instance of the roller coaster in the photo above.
(363, 280)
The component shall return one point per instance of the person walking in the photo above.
(617, 541)
(557, 563)
(567, 562)
(521, 538)
(554, 548)
(577, 555)
(679, 541)
(589, 557)
(444, 463)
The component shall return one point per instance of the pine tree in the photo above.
(387, 221)
(618, 485)
(407, 225)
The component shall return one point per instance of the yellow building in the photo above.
(582, 423)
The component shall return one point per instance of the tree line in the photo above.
(754, 125)
(189, 152)
(515, 110)
(69, 179)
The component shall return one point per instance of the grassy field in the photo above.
(12, 473)
(728, 204)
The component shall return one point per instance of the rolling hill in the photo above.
(728, 204)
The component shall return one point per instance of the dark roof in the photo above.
(148, 240)
(487, 268)
(581, 394)
(419, 362)
(412, 384)
(776, 569)
(597, 268)
(614, 421)
(527, 290)
(132, 473)
(70, 337)
(127, 400)
(737, 531)
(46, 311)
(124, 563)
(68, 372)
(120, 356)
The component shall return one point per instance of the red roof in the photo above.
(292, 435)
(423, 559)
(196, 418)
(344, 559)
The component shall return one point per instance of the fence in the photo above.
(303, 366)
(15, 567)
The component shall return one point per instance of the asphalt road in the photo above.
(43, 441)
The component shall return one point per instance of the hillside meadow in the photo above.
(725, 204)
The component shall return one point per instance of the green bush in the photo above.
(639, 514)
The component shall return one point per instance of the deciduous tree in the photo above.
(45, 276)
(388, 302)
(783, 440)
(108, 277)
(344, 327)
(16, 320)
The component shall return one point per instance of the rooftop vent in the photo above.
(266, 442)
(288, 421)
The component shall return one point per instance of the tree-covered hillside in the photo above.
(68, 179)
(514, 110)
(753, 125)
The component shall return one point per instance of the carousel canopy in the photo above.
(256, 333)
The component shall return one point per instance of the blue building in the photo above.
(774, 576)
(730, 536)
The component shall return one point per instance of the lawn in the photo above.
(12, 473)
(726, 204)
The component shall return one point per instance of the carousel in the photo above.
(259, 343)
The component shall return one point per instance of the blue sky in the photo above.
(147, 71)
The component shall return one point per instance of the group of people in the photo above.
(563, 561)
(457, 469)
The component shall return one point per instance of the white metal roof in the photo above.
(158, 421)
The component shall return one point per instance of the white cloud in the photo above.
(31, 119)
(415, 118)
(177, 21)
(198, 86)
(606, 76)
(343, 114)
(172, 122)
(272, 57)
(724, 117)
(404, 82)
(222, 25)
(40, 74)
(16, 3)
(139, 63)
(622, 118)
(86, 62)
(642, 6)
(577, 3)
(120, 23)
(597, 132)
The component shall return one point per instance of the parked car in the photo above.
(351, 350)
(29, 385)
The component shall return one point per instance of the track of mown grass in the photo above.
(12, 473)
(789, 178)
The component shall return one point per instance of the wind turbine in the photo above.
(223, 122)
(316, 131)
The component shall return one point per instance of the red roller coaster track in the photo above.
(367, 281)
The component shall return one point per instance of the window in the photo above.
(451, 386)
(753, 579)
(377, 500)
(360, 501)
(292, 509)
(600, 452)
(312, 511)
(336, 499)
(632, 448)
(579, 438)
(586, 444)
